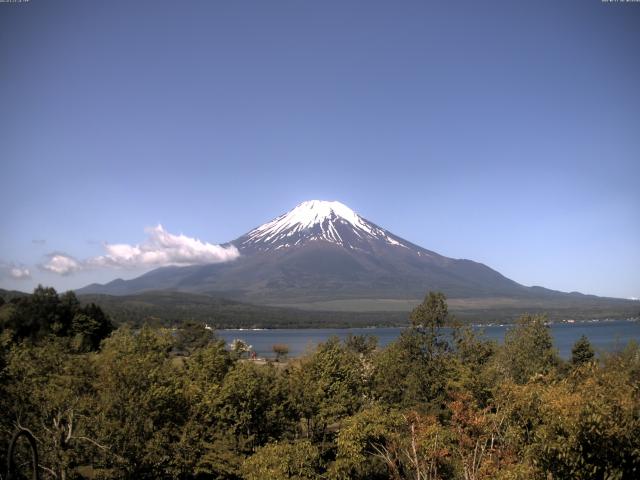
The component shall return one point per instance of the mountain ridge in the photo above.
(324, 251)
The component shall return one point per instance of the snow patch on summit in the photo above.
(317, 220)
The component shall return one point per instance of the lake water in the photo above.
(604, 336)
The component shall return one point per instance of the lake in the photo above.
(604, 335)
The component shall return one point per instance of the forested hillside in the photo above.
(170, 309)
(154, 403)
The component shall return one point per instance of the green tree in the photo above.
(361, 440)
(45, 312)
(50, 394)
(206, 369)
(221, 458)
(89, 329)
(328, 386)
(582, 351)
(101, 327)
(142, 404)
(67, 309)
(234, 409)
(35, 316)
(361, 344)
(204, 448)
(528, 349)
(254, 405)
(239, 347)
(415, 368)
(432, 313)
(408, 374)
(8, 315)
(470, 364)
(299, 460)
(193, 335)
(43, 307)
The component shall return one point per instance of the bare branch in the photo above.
(87, 439)
(46, 469)
(27, 430)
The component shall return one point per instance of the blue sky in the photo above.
(504, 132)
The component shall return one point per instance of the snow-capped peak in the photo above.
(313, 212)
(317, 220)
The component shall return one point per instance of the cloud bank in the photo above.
(160, 249)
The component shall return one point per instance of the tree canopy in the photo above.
(151, 403)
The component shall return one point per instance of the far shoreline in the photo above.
(473, 325)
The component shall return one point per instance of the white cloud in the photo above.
(160, 249)
(20, 273)
(61, 264)
(16, 272)
(163, 248)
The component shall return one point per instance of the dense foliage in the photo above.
(46, 313)
(155, 403)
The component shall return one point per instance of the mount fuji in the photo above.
(325, 252)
